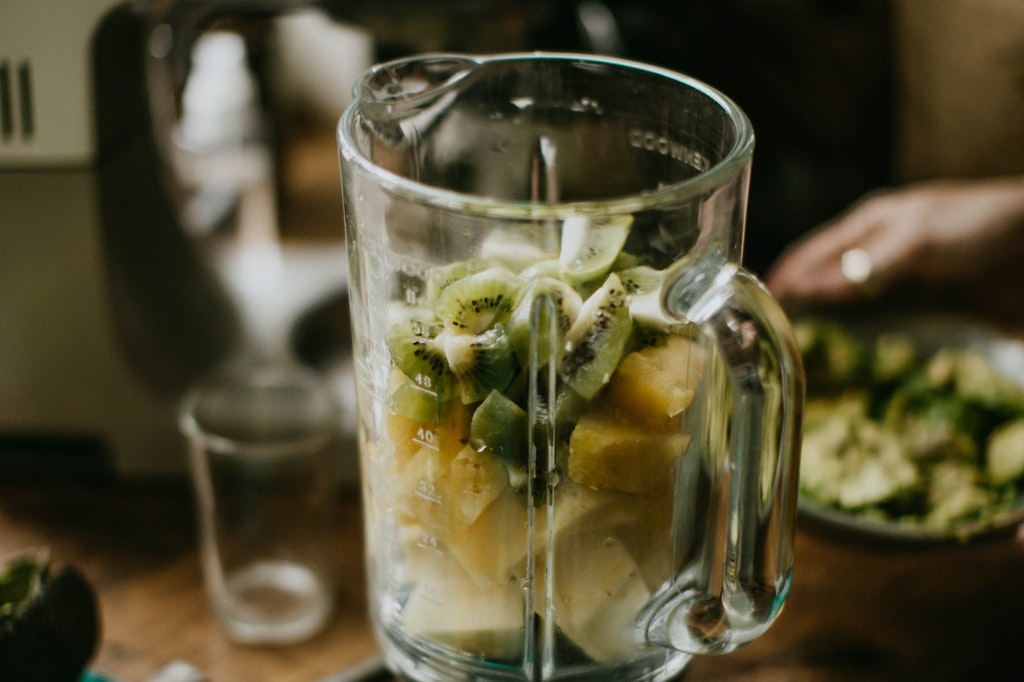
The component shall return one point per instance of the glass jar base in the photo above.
(274, 602)
(417, 663)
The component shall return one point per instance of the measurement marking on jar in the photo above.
(424, 383)
(428, 492)
(426, 438)
(430, 542)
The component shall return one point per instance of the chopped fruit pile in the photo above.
(899, 432)
(487, 344)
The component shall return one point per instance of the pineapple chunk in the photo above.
(423, 555)
(402, 437)
(493, 549)
(649, 539)
(407, 436)
(605, 452)
(597, 594)
(485, 622)
(477, 479)
(641, 522)
(578, 508)
(654, 385)
(422, 490)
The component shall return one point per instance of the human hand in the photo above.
(951, 240)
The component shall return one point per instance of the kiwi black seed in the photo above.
(640, 279)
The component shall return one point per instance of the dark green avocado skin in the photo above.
(55, 637)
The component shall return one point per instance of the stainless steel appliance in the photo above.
(105, 311)
(114, 296)
(109, 307)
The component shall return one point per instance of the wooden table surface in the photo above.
(857, 611)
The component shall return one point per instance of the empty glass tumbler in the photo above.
(260, 450)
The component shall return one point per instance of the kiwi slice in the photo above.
(590, 245)
(412, 401)
(568, 406)
(596, 341)
(625, 261)
(640, 279)
(517, 248)
(478, 301)
(546, 308)
(545, 268)
(416, 351)
(480, 362)
(643, 288)
(439, 278)
(500, 425)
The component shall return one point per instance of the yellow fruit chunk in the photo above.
(422, 554)
(408, 436)
(654, 385)
(606, 452)
(579, 509)
(422, 489)
(493, 549)
(596, 594)
(649, 539)
(402, 436)
(485, 622)
(476, 480)
(641, 522)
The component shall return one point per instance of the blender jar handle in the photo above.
(759, 473)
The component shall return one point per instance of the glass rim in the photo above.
(317, 432)
(738, 155)
(277, 448)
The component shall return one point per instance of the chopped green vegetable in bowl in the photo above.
(914, 426)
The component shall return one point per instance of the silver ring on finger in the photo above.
(858, 268)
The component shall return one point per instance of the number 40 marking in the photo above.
(426, 437)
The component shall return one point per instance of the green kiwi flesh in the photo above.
(480, 362)
(640, 279)
(501, 426)
(415, 350)
(478, 301)
(440, 277)
(597, 340)
(413, 401)
(590, 246)
(545, 311)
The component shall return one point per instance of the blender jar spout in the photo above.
(399, 88)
